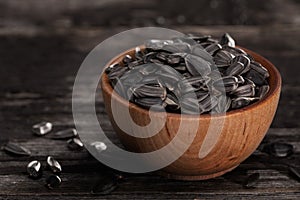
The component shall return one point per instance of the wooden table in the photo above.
(37, 70)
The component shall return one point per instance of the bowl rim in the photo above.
(274, 83)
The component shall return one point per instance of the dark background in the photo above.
(43, 42)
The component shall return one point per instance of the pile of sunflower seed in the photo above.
(191, 74)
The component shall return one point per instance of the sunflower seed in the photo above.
(34, 169)
(75, 144)
(256, 78)
(138, 53)
(64, 134)
(227, 83)
(279, 149)
(213, 48)
(16, 149)
(149, 91)
(157, 44)
(176, 47)
(111, 67)
(197, 66)
(244, 91)
(99, 146)
(241, 80)
(42, 128)
(147, 69)
(226, 39)
(53, 181)
(127, 59)
(262, 91)
(116, 72)
(251, 181)
(223, 104)
(244, 60)
(171, 102)
(241, 102)
(105, 185)
(147, 102)
(234, 69)
(234, 50)
(173, 59)
(199, 38)
(260, 69)
(223, 58)
(54, 165)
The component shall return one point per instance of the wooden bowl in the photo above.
(242, 132)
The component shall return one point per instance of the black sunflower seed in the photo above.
(255, 77)
(279, 149)
(16, 149)
(127, 59)
(251, 180)
(234, 50)
(138, 53)
(64, 134)
(54, 165)
(262, 91)
(227, 84)
(75, 144)
(42, 128)
(149, 91)
(260, 69)
(244, 91)
(53, 181)
(226, 39)
(105, 185)
(34, 169)
(234, 69)
(213, 48)
(241, 102)
(197, 66)
(171, 102)
(147, 102)
(244, 60)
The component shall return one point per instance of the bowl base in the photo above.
(194, 178)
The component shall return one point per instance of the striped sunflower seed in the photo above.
(242, 102)
(197, 66)
(244, 91)
(54, 165)
(42, 128)
(227, 84)
(34, 169)
(226, 39)
(16, 149)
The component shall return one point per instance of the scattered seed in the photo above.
(34, 169)
(251, 181)
(16, 149)
(53, 181)
(75, 144)
(64, 134)
(105, 185)
(54, 165)
(99, 146)
(42, 128)
(279, 149)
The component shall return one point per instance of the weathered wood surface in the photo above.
(40, 55)
(81, 171)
